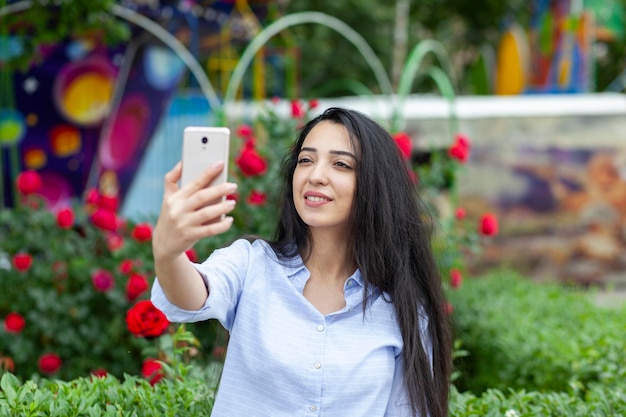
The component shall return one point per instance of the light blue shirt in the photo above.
(285, 358)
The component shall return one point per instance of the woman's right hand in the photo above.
(187, 214)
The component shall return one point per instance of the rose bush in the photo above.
(458, 237)
(75, 288)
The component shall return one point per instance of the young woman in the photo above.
(342, 313)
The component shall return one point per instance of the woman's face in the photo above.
(324, 180)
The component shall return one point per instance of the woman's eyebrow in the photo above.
(333, 152)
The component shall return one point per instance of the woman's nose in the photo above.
(318, 174)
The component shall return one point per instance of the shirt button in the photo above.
(320, 328)
(312, 408)
(317, 365)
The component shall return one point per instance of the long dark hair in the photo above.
(390, 236)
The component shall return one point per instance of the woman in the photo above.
(342, 313)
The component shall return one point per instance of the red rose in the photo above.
(22, 261)
(49, 363)
(244, 131)
(462, 140)
(109, 202)
(489, 224)
(114, 241)
(14, 323)
(460, 213)
(142, 232)
(100, 373)
(104, 219)
(65, 218)
(404, 143)
(28, 182)
(257, 198)
(460, 148)
(152, 371)
(458, 152)
(102, 280)
(448, 309)
(250, 162)
(456, 278)
(314, 103)
(92, 196)
(135, 286)
(126, 266)
(145, 320)
(297, 109)
(192, 255)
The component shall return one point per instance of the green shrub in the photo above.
(64, 313)
(108, 396)
(600, 402)
(192, 396)
(523, 335)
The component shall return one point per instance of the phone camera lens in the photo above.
(205, 140)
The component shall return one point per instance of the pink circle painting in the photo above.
(120, 143)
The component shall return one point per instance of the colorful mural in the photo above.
(555, 53)
(84, 116)
(562, 211)
(86, 112)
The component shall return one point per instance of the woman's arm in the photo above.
(186, 218)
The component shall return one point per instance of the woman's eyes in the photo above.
(343, 165)
(340, 164)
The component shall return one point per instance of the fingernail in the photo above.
(231, 187)
(218, 165)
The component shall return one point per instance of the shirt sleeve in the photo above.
(224, 273)
(399, 404)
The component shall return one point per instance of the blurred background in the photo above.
(537, 85)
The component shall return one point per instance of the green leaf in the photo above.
(9, 383)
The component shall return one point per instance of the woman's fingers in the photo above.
(171, 179)
(212, 213)
(185, 219)
(209, 196)
(209, 229)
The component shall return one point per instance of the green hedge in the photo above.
(93, 397)
(193, 397)
(539, 337)
(599, 402)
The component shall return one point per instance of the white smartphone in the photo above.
(202, 148)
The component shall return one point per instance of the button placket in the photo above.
(316, 367)
(320, 329)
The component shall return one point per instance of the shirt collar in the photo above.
(292, 267)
